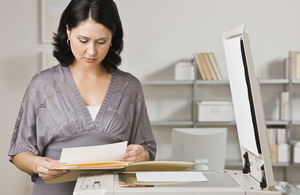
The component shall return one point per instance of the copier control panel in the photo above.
(93, 184)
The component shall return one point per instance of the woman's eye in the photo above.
(83, 41)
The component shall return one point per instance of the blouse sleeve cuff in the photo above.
(14, 150)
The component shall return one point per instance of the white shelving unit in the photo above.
(194, 92)
(287, 86)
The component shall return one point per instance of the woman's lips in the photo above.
(89, 59)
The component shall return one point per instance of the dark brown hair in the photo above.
(104, 12)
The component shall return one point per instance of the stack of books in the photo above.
(207, 66)
(295, 57)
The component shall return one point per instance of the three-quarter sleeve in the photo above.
(144, 135)
(24, 133)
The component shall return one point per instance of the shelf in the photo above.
(167, 82)
(216, 123)
(190, 123)
(238, 163)
(212, 82)
(263, 81)
(172, 123)
(270, 122)
(283, 122)
(274, 81)
(296, 122)
(296, 81)
(281, 164)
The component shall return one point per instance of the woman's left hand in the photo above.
(135, 153)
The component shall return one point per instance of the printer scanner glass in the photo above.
(215, 179)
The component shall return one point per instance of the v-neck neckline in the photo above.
(90, 123)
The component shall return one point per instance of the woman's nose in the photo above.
(91, 50)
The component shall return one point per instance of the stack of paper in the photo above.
(84, 160)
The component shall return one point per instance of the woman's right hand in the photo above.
(44, 169)
(42, 166)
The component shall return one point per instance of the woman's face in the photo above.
(89, 42)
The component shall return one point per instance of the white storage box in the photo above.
(215, 111)
(283, 153)
(297, 152)
(184, 71)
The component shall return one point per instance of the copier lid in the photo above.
(247, 104)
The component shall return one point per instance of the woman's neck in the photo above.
(87, 72)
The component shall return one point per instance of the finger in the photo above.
(44, 169)
(124, 156)
(133, 159)
(51, 174)
(134, 152)
(55, 163)
(130, 147)
(50, 163)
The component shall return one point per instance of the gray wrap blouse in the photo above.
(53, 116)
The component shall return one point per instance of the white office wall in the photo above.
(157, 34)
(160, 32)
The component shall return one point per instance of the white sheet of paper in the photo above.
(165, 176)
(93, 154)
(239, 93)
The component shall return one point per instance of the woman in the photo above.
(85, 100)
